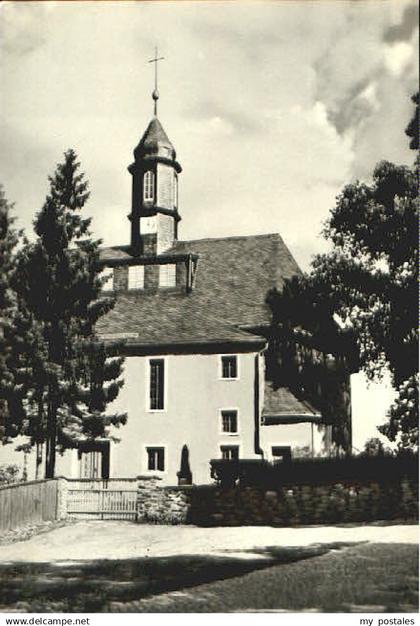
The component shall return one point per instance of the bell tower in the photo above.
(154, 213)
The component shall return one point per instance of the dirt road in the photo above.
(121, 540)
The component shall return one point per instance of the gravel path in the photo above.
(88, 540)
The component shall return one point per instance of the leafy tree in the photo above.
(368, 283)
(309, 353)
(412, 129)
(74, 374)
(375, 447)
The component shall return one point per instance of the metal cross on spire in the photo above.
(155, 94)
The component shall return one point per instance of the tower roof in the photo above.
(155, 143)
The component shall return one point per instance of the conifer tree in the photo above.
(18, 338)
(9, 394)
(74, 374)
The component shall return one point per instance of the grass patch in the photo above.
(383, 577)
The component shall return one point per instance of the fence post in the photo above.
(62, 489)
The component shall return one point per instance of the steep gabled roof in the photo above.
(236, 273)
(233, 277)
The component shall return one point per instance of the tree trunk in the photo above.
(51, 438)
(39, 437)
(38, 459)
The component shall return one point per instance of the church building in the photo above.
(193, 320)
(190, 314)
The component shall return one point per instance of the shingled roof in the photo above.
(234, 275)
(281, 406)
(154, 141)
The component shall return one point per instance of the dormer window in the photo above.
(148, 186)
(167, 275)
(136, 277)
(108, 275)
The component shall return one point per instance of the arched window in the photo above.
(148, 186)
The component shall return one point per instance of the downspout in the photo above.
(257, 447)
(312, 439)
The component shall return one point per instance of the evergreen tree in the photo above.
(18, 335)
(74, 374)
(9, 393)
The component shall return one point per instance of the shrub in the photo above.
(320, 471)
(9, 474)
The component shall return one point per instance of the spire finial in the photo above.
(155, 94)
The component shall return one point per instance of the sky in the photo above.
(272, 106)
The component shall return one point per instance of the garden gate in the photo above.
(112, 499)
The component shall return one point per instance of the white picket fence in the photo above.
(102, 499)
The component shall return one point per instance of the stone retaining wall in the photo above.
(212, 506)
(161, 505)
(62, 487)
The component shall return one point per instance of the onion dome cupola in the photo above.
(154, 211)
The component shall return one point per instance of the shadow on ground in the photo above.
(92, 586)
(361, 578)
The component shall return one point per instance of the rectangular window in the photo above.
(230, 366)
(157, 384)
(156, 459)
(281, 453)
(229, 421)
(136, 277)
(108, 275)
(167, 275)
(230, 453)
(148, 186)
